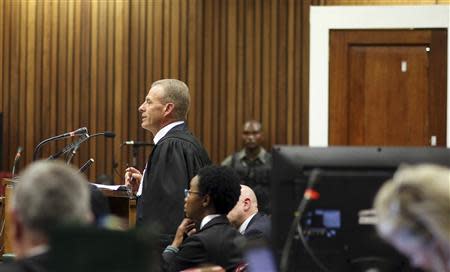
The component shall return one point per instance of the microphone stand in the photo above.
(107, 134)
(79, 131)
(313, 177)
(69, 147)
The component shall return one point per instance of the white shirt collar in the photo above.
(244, 225)
(37, 250)
(162, 132)
(207, 218)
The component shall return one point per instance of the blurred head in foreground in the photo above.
(413, 210)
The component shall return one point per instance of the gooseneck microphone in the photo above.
(74, 148)
(86, 165)
(308, 195)
(78, 132)
(16, 160)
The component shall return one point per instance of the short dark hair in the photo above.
(221, 183)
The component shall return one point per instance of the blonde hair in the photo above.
(416, 202)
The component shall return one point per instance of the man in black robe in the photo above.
(174, 161)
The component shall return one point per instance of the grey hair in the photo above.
(50, 193)
(176, 92)
(416, 202)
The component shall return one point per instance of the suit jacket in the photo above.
(216, 243)
(259, 227)
(37, 263)
(174, 161)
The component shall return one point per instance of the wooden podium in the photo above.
(8, 185)
(121, 205)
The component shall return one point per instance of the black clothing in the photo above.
(259, 227)
(37, 263)
(99, 204)
(216, 243)
(174, 161)
(255, 173)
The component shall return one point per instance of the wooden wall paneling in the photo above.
(2, 57)
(183, 42)
(6, 34)
(61, 91)
(92, 64)
(192, 30)
(290, 97)
(93, 93)
(22, 78)
(30, 79)
(303, 86)
(165, 41)
(103, 162)
(207, 77)
(134, 86)
(149, 64)
(258, 62)
(231, 77)
(142, 87)
(200, 70)
(222, 86)
(266, 69)
(120, 67)
(158, 23)
(110, 110)
(53, 79)
(240, 89)
(272, 132)
(83, 153)
(70, 66)
(77, 99)
(174, 44)
(281, 107)
(217, 109)
(248, 73)
(14, 92)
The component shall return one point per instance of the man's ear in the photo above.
(247, 204)
(169, 108)
(206, 201)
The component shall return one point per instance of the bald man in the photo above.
(253, 163)
(246, 217)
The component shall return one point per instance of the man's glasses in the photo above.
(188, 192)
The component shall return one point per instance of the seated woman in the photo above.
(212, 241)
(413, 212)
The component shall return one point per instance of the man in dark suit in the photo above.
(49, 194)
(246, 218)
(174, 161)
(213, 193)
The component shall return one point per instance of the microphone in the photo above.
(78, 132)
(16, 160)
(308, 195)
(137, 143)
(86, 165)
(76, 145)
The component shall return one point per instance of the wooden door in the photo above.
(388, 87)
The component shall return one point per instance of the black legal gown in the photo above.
(174, 161)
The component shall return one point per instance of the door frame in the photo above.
(323, 19)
